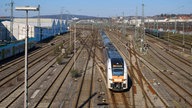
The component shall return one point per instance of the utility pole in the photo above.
(168, 35)
(67, 18)
(75, 45)
(175, 25)
(61, 18)
(70, 35)
(157, 25)
(183, 38)
(124, 29)
(136, 30)
(39, 23)
(39, 19)
(11, 21)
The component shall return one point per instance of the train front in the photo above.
(117, 74)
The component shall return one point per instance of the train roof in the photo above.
(111, 50)
(114, 54)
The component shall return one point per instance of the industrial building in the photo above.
(12, 42)
(46, 29)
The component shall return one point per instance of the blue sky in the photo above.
(100, 7)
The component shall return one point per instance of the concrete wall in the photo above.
(3, 32)
(19, 30)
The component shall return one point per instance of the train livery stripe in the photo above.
(118, 78)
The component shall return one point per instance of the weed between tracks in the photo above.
(65, 54)
(75, 73)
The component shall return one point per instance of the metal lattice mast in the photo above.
(142, 28)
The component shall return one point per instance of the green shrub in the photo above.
(75, 73)
(59, 60)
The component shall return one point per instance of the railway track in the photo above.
(17, 79)
(138, 77)
(64, 101)
(85, 97)
(180, 91)
(183, 90)
(68, 88)
(17, 65)
(14, 75)
(17, 89)
(179, 68)
(17, 92)
(31, 54)
(163, 46)
(123, 97)
(52, 91)
(179, 41)
(85, 89)
(133, 89)
(174, 44)
(153, 94)
(19, 72)
(182, 71)
(143, 83)
(119, 100)
(48, 82)
(181, 59)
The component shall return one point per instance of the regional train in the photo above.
(117, 73)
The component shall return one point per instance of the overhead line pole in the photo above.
(183, 38)
(39, 23)
(61, 18)
(11, 21)
(142, 28)
(136, 29)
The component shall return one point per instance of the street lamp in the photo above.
(26, 8)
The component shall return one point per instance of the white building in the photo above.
(136, 22)
(47, 28)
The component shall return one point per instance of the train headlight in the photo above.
(124, 85)
(112, 85)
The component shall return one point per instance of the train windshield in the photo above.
(117, 71)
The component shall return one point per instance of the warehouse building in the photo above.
(47, 28)
(37, 32)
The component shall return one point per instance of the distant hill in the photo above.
(66, 16)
